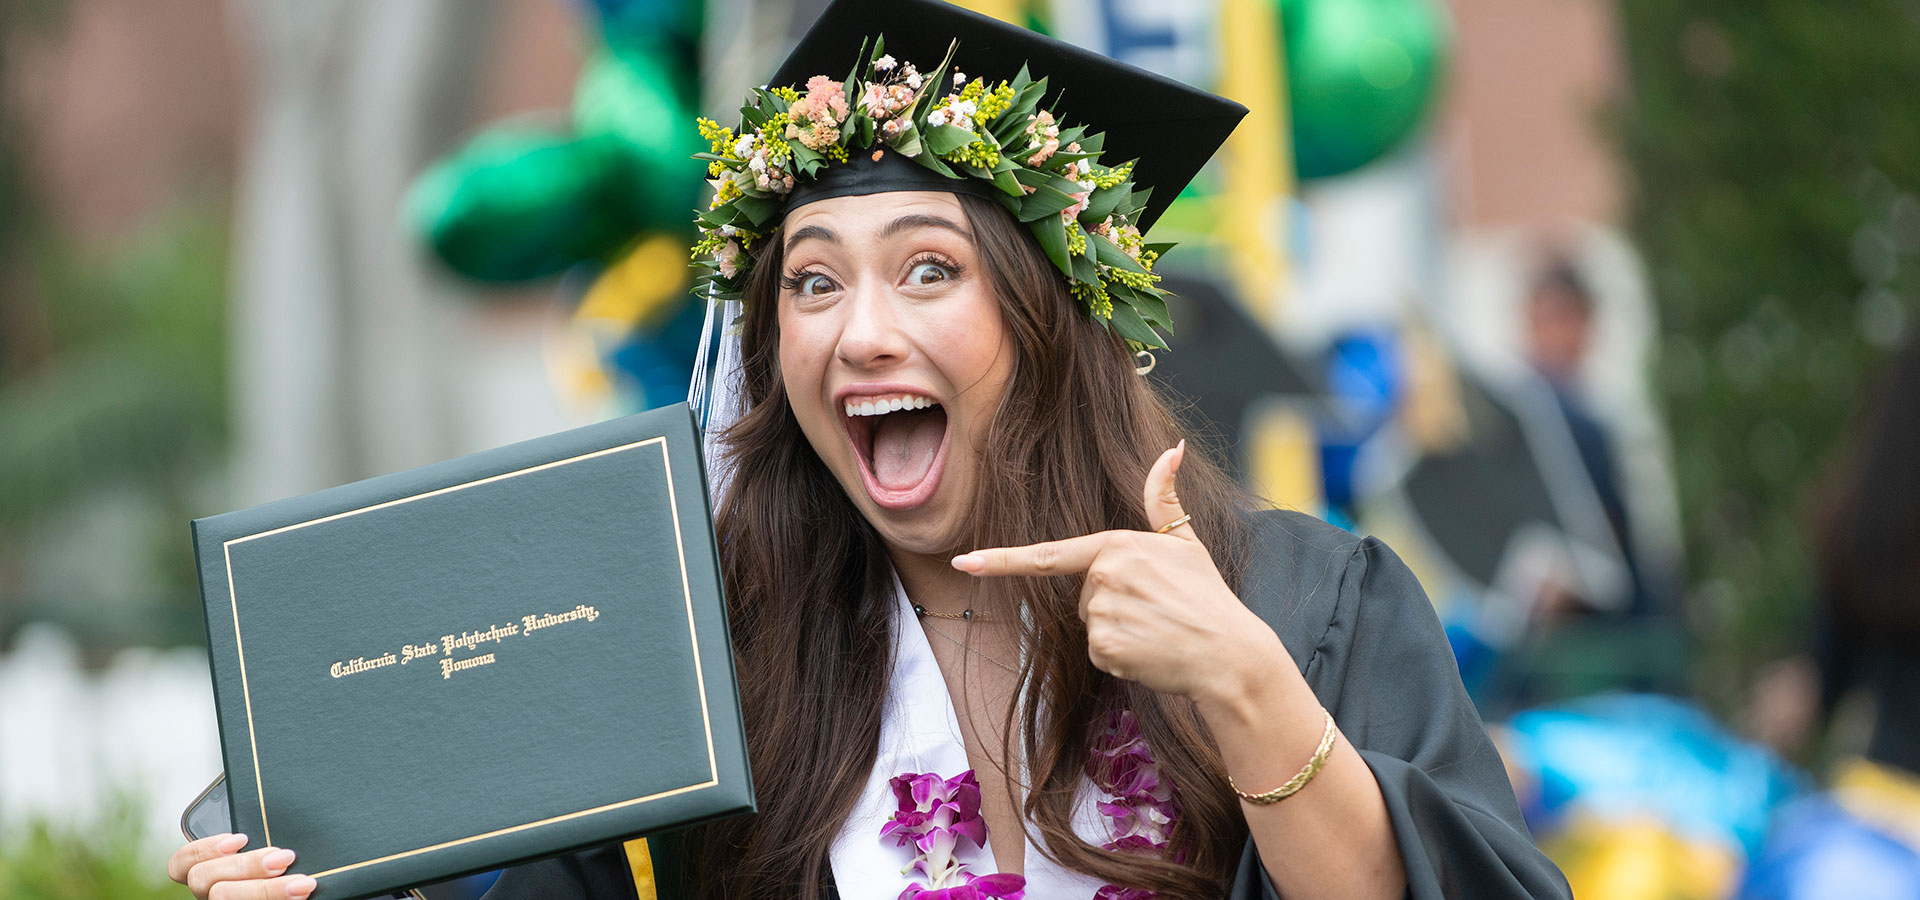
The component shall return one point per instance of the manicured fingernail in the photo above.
(1180, 453)
(970, 562)
(277, 861)
(230, 843)
(299, 888)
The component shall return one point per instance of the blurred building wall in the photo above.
(1523, 122)
(130, 103)
(127, 105)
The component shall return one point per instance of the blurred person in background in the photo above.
(1862, 836)
(1867, 633)
(1559, 328)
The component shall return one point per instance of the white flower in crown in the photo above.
(744, 145)
(959, 78)
(937, 118)
(913, 78)
(884, 63)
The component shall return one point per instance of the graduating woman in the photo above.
(999, 632)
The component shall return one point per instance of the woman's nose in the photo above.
(871, 336)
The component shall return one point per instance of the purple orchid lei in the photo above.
(935, 814)
(1144, 806)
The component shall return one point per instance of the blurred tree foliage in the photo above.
(1777, 159)
(112, 361)
(106, 861)
(133, 386)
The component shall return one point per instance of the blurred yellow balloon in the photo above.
(1639, 859)
(1283, 456)
(642, 288)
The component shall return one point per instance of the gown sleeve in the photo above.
(1374, 653)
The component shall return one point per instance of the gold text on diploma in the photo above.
(465, 640)
(531, 623)
(450, 666)
(360, 664)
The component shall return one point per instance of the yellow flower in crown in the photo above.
(990, 139)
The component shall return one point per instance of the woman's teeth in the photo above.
(888, 404)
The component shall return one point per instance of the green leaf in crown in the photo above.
(1082, 214)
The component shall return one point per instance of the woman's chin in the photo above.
(926, 525)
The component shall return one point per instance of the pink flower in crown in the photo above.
(873, 101)
(815, 118)
(825, 102)
(1043, 137)
(729, 259)
(1115, 892)
(1080, 200)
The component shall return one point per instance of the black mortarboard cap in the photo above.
(1172, 129)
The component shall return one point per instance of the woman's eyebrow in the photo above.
(809, 231)
(921, 220)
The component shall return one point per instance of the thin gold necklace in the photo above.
(968, 647)
(966, 615)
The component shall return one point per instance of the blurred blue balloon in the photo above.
(1643, 754)
(1819, 851)
(1364, 381)
(1364, 376)
(659, 361)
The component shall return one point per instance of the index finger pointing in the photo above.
(1065, 557)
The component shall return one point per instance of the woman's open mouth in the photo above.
(900, 439)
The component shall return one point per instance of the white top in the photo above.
(920, 733)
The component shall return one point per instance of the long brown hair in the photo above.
(809, 593)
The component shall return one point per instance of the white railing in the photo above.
(70, 739)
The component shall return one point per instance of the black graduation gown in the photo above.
(1361, 630)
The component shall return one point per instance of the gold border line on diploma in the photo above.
(706, 722)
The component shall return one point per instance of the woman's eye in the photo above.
(815, 284)
(928, 273)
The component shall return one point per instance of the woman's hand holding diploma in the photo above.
(215, 869)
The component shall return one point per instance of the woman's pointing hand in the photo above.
(1154, 604)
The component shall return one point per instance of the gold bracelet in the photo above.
(1298, 781)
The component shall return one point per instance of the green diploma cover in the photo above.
(478, 662)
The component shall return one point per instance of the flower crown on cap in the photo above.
(1081, 213)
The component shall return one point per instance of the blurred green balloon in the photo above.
(515, 205)
(1361, 75)
(634, 98)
